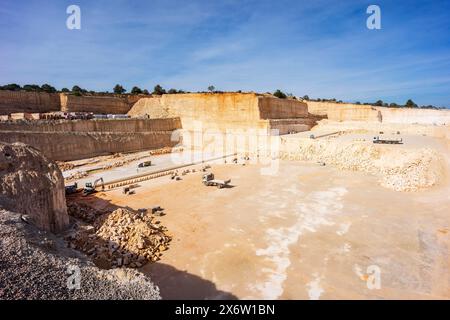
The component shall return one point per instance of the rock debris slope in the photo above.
(34, 264)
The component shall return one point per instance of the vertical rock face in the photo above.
(79, 139)
(97, 104)
(222, 111)
(31, 184)
(22, 101)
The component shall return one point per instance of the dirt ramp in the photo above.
(31, 184)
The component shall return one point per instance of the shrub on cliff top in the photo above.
(48, 88)
(77, 89)
(11, 86)
(118, 89)
(280, 94)
(136, 90)
(158, 90)
(410, 104)
(32, 87)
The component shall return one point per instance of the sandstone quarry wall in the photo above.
(151, 106)
(41, 102)
(318, 108)
(285, 126)
(222, 112)
(356, 112)
(106, 125)
(363, 127)
(97, 104)
(22, 101)
(73, 140)
(74, 146)
(344, 111)
(31, 184)
(274, 108)
(412, 116)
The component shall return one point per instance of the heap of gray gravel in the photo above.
(35, 265)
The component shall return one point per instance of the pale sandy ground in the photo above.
(310, 232)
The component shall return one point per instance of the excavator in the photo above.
(90, 188)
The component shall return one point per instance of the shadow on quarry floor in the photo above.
(176, 284)
(173, 283)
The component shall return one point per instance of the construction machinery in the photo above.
(208, 180)
(90, 188)
(175, 176)
(387, 141)
(144, 164)
(158, 210)
(72, 188)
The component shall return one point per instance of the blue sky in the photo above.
(315, 47)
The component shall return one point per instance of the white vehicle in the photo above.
(208, 180)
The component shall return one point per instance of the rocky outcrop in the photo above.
(32, 185)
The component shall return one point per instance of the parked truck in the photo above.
(208, 180)
(387, 141)
(72, 188)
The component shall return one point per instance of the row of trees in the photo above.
(409, 103)
(77, 90)
(29, 87)
(159, 90)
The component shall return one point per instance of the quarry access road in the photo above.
(159, 162)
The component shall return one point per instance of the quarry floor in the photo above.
(308, 232)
